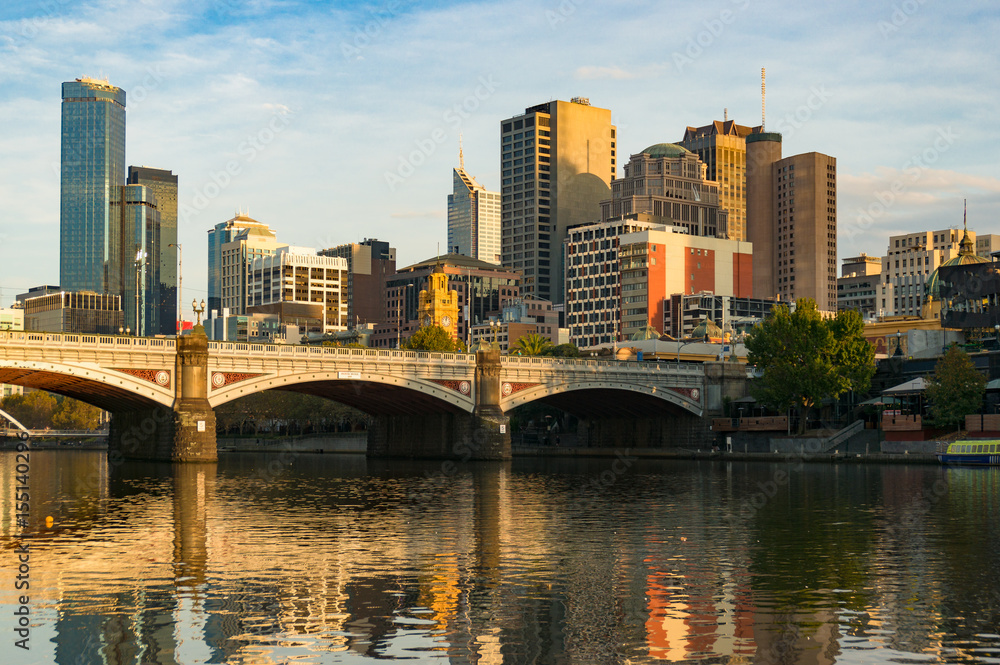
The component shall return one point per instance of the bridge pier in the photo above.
(184, 433)
(483, 434)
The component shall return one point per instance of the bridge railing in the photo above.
(80, 340)
(618, 365)
(336, 352)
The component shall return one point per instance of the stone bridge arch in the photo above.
(106, 389)
(599, 397)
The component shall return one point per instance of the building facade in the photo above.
(222, 234)
(473, 218)
(593, 278)
(92, 173)
(299, 285)
(437, 305)
(656, 264)
(858, 285)
(722, 146)
(139, 270)
(734, 315)
(763, 151)
(235, 260)
(668, 183)
(908, 265)
(11, 318)
(76, 312)
(986, 244)
(557, 162)
(369, 264)
(162, 184)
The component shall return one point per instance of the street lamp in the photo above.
(180, 286)
(899, 347)
(140, 258)
(198, 312)
(494, 324)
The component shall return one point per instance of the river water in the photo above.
(306, 558)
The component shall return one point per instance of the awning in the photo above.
(882, 401)
(993, 385)
(911, 387)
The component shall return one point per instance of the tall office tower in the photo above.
(92, 173)
(369, 264)
(223, 233)
(139, 268)
(668, 182)
(473, 218)
(557, 163)
(763, 150)
(723, 148)
(163, 184)
(236, 259)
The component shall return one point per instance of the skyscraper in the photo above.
(473, 218)
(163, 185)
(222, 234)
(557, 162)
(722, 146)
(139, 267)
(91, 177)
(369, 263)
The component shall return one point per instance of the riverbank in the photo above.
(719, 456)
(338, 442)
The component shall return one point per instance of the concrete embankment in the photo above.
(342, 442)
(666, 453)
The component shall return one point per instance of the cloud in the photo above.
(592, 72)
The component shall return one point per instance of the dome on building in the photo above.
(649, 332)
(666, 150)
(707, 328)
(966, 256)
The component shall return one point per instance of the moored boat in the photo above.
(981, 452)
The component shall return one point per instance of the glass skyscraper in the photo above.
(163, 185)
(93, 172)
(139, 269)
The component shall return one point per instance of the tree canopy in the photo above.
(39, 409)
(531, 345)
(956, 388)
(433, 338)
(805, 358)
(563, 351)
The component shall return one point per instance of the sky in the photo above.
(333, 122)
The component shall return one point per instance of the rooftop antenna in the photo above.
(725, 115)
(762, 99)
(461, 157)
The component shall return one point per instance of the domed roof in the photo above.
(666, 150)
(966, 256)
(649, 332)
(708, 328)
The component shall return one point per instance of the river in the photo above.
(306, 558)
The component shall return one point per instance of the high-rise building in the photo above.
(227, 284)
(794, 234)
(909, 262)
(163, 184)
(593, 278)
(91, 176)
(858, 284)
(300, 287)
(668, 182)
(369, 264)
(557, 163)
(139, 269)
(473, 217)
(722, 147)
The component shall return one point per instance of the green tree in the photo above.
(564, 351)
(805, 358)
(33, 410)
(433, 338)
(532, 345)
(74, 414)
(956, 389)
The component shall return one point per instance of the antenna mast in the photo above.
(761, 99)
(461, 157)
(725, 115)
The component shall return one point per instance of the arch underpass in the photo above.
(105, 390)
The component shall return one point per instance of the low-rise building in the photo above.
(76, 312)
(858, 285)
(521, 318)
(685, 312)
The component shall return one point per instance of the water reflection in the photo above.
(337, 559)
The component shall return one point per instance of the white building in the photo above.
(473, 218)
(237, 256)
(908, 264)
(303, 289)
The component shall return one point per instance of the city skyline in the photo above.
(266, 114)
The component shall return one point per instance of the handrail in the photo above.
(83, 340)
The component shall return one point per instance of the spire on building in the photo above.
(461, 157)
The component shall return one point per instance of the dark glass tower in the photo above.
(93, 172)
(139, 269)
(163, 185)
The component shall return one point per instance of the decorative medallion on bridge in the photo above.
(463, 387)
(160, 377)
(509, 389)
(691, 393)
(222, 379)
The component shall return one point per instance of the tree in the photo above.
(74, 414)
(564, 351)
(33, 410)
(433, 338)
(956, 389)
(805, 358)
(532, 345)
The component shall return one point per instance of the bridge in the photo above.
(161, 392)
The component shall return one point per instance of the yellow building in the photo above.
(439, 306)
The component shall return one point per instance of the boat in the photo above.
(974, 452)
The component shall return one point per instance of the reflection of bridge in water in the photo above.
(161, 392)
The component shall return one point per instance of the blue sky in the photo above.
(297, 111)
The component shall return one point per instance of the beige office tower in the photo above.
(557, 162)
(795, 235)
(722, 145)
(763, 150)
